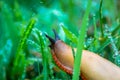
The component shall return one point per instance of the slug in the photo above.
(93, 67)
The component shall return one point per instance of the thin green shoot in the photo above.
(101, 22)
(81, 38)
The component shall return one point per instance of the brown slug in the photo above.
(93, 67)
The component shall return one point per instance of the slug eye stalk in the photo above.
(56, 35)
(52, 41)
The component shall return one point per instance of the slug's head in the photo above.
(62, 51)
(53, 41)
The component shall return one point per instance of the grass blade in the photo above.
(101, 22)
(70, 35)
(19, 62)
(116, 30)
(103, 45)
(80, 44)
(44, 55)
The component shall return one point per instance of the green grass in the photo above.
(101, 21)
(81, 38)
(44, 54)
(20, 55)
(23, 44)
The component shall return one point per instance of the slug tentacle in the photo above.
(52, 41)
(56, 35)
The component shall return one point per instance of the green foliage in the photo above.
(23, 44)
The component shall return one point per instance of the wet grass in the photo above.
(24, 49)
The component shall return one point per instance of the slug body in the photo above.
(93, 67)
(64, 59)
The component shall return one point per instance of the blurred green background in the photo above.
(23, 24)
